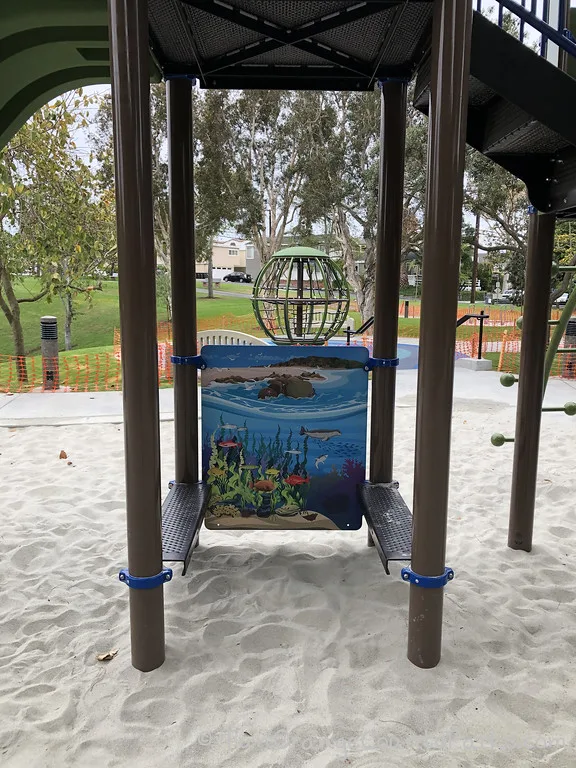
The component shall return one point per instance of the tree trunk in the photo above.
(365, 299)
(11, 310)
(18, 336)
(475, 264)
(68, 316)
(210, 268)
(362, 284)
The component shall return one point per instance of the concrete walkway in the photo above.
(33, 409)
(64, 408)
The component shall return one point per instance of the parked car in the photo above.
(238, 277)
(511, 296)
(561, 300)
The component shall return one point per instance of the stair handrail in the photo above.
(464, 319)
(561, 37)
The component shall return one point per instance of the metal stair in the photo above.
(521, 114)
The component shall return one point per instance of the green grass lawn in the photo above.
(222, 305)
(495, 357)
(411, 329)
(95, 322)
(93, 327)
(244, 288)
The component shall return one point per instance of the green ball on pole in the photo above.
(508, 379)
(570, 409)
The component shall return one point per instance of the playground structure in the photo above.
(524, 481)
(300, 297)
(476, 82)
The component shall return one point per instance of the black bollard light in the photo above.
(49, 347)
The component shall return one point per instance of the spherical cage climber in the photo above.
(300, 297)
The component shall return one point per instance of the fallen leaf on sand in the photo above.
(108, 656)
(63, 455)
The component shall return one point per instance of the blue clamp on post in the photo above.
(196, 360)
(383, 80)
(379, 362)
(427, 582)
(145, 582)
(179, 76)
(532, 210)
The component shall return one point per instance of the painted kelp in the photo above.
(249, 475)
(284, 441)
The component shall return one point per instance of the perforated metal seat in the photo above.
(389, 521)
(182, 515)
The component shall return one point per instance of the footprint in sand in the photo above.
(315, 618)
(537, 714)
(25, 554)
(219, 630)
(270, 637)
(150, 705)
(560, 531)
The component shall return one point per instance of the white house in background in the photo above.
(253, 260)
(227, 256)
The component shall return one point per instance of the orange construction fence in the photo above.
(497, 315)
(102, 371)
(76, 373)
(564, 365)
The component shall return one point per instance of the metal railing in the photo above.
(537, 15)
(482, 317)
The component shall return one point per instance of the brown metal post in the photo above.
(531, 379)
(451, 39)
(299, 295)
(136, 269)
(183, 265)
(387, 279)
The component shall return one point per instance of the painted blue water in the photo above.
(339, 405)
(342, 394)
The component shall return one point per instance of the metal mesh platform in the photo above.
(389, 521)
(182, 514)
(303, 44)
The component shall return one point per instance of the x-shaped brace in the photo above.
(276, 36)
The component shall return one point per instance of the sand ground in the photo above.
(285, 649)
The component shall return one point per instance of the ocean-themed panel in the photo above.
(284, 436)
